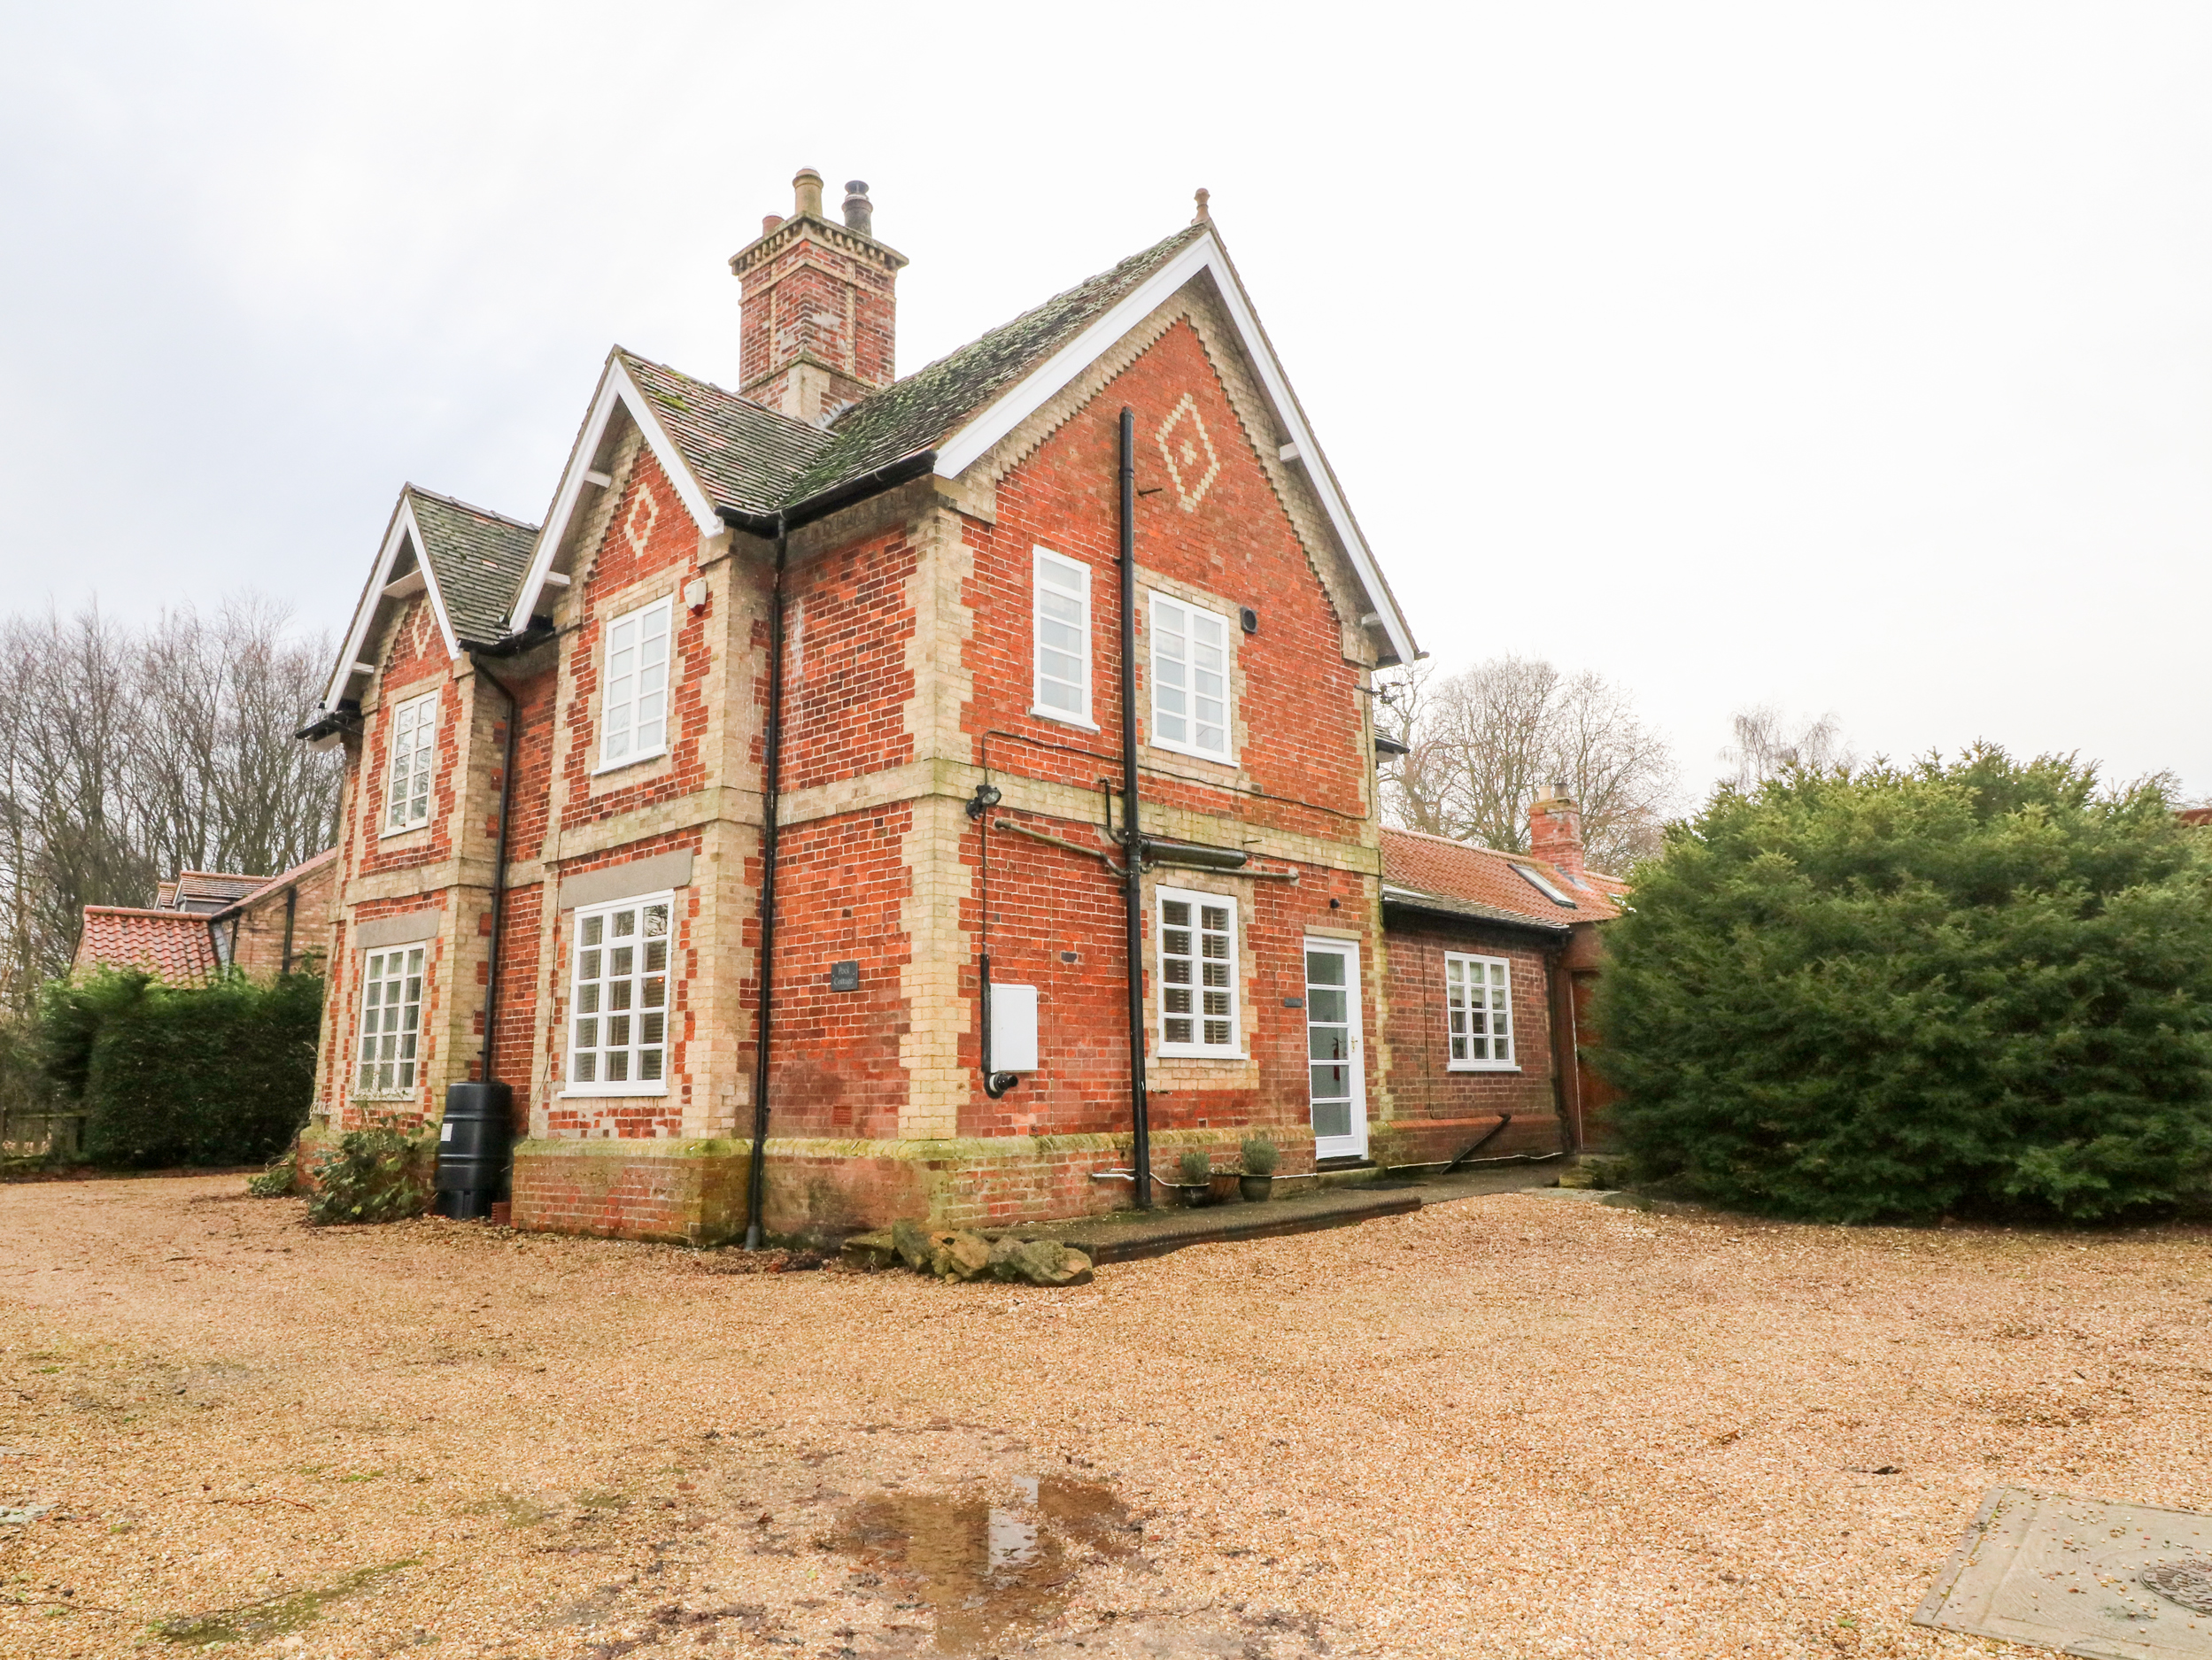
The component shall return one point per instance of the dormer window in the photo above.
(413, 752)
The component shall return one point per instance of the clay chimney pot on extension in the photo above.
(1555, 832)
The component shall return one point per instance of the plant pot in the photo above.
(1256, 1189)
(1221, 1189)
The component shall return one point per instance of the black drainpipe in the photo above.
(772, 779)
(499, 870)
(291, 912)
(1133, 877)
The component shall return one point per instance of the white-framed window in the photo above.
(1190, 679)
(391, 1021)
(1198, 979)
(413, 754)
(1479, 1012)
(634, 695)
(1060, 638)
(618, 1004)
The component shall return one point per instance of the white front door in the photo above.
(1334, 1053)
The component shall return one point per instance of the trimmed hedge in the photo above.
(1982, 988)
(221, 1074)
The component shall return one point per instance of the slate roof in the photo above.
(479, 559)
(205, 892)
(1481, 883)
(172, 945)
(747, 456)
(283, 879)
(913, 413)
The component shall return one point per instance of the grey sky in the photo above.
(1855, 358)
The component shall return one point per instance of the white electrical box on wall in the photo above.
(1013, 1029)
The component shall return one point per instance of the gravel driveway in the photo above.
(1522, 1424)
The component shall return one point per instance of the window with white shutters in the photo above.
(1190, 679)
(414, 754)
(618, 1009)
(1198, 977)
(391, 1021)
(1479, 1008)
(1061, 639)
(634, 698)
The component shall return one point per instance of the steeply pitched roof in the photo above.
(479, 559)
(914, 413)
(172, 945)
(746, 455)
(1482, 882)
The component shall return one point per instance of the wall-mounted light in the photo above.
(983, 800)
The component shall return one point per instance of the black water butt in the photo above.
(472, 1149)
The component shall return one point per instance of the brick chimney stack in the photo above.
(817, 321)
(1555, 832)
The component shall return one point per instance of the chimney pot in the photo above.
(1558, 789)
(770, 221)
(806, 187)
(860, 212)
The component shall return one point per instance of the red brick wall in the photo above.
(836, 1067)
(1421, 1083)
(846, 682)
(415, 661)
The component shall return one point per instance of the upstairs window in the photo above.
(1190, 679)
(391, 1021)
(1198, 989)
(634, 706)
(618, 1012)
(1061, 606)
(413, 748)
(1479, 1007)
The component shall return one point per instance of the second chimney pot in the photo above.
(806, 189)
(860, 212)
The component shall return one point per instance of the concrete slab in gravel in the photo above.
(2087, 1577)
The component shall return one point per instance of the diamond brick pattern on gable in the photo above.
(841, 564)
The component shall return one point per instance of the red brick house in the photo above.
(205, 921)
(729, 789)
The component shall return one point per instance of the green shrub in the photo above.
(1261, 1156)
(220, 1074)
(375, 1174)
(1196, 1165)
(1983, 987)
(281, 1178)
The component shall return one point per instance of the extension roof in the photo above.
(1462, 878)
(172, 945)
(204, 891)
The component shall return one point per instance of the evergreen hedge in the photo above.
(1980, 988)
(220, 1074)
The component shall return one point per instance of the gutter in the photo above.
(499, 863)
(822, 505)
(1133, 839)
(771, 783)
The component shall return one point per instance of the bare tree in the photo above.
(127, 755)
(1768, 745)
(1483, 744)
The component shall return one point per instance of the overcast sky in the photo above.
(1854, 357)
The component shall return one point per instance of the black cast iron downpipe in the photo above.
(498, 870)
(771, 781)
(1132, 846)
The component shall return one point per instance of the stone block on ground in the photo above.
(959, 1254)
(912, 1245)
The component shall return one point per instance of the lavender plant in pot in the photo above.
(1196, 1168)
(1260, 1157)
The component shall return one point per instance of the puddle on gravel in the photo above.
(272, 1616)
(986, 1564)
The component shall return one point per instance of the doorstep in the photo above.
(1128, 1236)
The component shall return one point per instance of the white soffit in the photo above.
(965, 447)
(617, 387)
(404, 530)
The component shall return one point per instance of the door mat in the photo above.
(2087, 1577)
